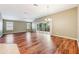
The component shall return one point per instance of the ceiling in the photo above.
(29, 12)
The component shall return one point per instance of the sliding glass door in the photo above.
(43, 27)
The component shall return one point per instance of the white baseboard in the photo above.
(12, 32)
(66, 37)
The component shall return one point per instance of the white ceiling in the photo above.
(29, 12)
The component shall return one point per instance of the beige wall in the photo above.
(63, 23)
(19, 26)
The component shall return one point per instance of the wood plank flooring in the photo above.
(65, 46)
(35, 43)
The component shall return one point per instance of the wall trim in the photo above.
(43, 32)
(13, 32)
(65, 37)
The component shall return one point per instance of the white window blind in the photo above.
(9, 25)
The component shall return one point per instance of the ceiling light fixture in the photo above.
(24, 18)
(35, 5)
(25, 12)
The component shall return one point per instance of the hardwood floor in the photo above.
(65, 46)
(35, 43)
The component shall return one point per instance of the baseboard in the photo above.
(43, 32)
(13, 32)
(64, 37)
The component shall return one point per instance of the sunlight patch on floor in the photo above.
(9, 49)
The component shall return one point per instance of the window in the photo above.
(29, 26)
(9, 25)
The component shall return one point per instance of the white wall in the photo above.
(78, 25)
(1, 25)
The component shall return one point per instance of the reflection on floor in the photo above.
(35, 43)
